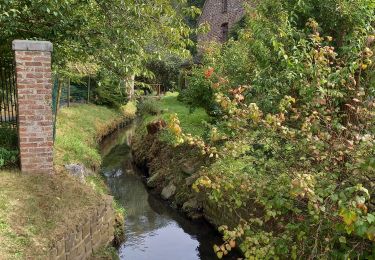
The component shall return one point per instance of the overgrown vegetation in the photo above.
(292, 145)
(8, 147)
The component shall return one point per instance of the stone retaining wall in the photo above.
(91, 235)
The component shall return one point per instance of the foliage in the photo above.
(119, 38)
(109, 91)
(129, 110)
(199, 93)
(8, 137)
(8, 157)
(292, 148)
(191, 122)
(165, 72)
(8, 147)
(149, 106)
(226, 66)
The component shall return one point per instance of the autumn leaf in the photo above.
(348, 216)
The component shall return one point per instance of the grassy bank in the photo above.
(80, 128)
(36, 210)
(167, 163)
(191, 121)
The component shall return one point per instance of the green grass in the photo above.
(36, 209)
(80, 128)
(191, 122)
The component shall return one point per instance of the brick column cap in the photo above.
(25, 45)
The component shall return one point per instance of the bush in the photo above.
(295, 134)
(129, 110)
(199, 92)
(8, 158)
(149, 106)
(8, 147)
(109, 91)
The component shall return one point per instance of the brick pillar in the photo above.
(34, 89)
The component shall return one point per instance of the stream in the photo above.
(153, 230)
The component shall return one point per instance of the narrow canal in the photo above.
(153, 230)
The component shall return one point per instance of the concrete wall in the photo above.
(213, 14)
(92, 234)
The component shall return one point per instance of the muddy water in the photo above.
(153, 230)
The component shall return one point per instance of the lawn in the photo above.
(191, 121)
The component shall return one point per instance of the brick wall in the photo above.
(212, 14)
(89, 236)
(34, 89)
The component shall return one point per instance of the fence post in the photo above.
(68, 92)
(88, 90)
(34, 89)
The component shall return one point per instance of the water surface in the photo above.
(153, 230)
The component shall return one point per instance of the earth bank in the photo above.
(171, 172)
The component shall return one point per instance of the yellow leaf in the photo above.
(349, 217)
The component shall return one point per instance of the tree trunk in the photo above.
(129, 85)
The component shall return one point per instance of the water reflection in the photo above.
(152, 229)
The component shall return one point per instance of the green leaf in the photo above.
(342, 240)
(370, 218)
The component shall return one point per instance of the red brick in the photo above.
(34, 87)
(213, 15)
(36, 64)
(41, 58)
(24, 58)
(34, 75)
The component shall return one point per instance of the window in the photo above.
(225, 6)
(224, 32)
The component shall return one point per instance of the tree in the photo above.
(120, 37)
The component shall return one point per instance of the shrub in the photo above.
(294, 138)
(129, 110)
(109, 91)
(8, 147)
(149, 106)
(8, 158)
(199, 92)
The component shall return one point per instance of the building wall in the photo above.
(213, 14)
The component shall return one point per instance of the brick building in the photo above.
(221, 15)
